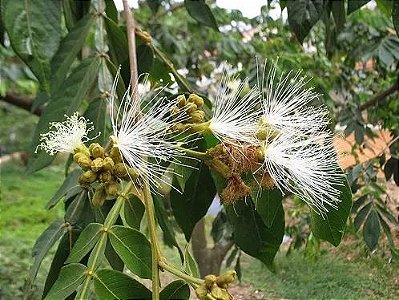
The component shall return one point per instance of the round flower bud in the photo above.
(96, 150)
(210, 280)
(120, 170)
(82, 160)
(97, 164)
(87, 177)
(105, 176)
(108, 164)
(225, 279)
(181, 101)
(197, 116)
(216, 292)
(196, 99)
(191, 107)
(115, 155)
(112, 188)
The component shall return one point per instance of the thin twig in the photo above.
(380, 98)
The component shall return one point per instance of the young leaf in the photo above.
(175, 290)
(372, 230)
(111, 284)
(133, 211)
(43, 244)
(252, 235)
(201, 12)
(267, 204)
(86, 241)
(71, 276)
(69, 185)
(331, 228)
(193, 204)
(133, 248)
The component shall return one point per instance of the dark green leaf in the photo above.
(183, 172)
(338, 12)
(371, 230)
(252, 235)
(133, 211)
(359, 203)
(302, 15)
(201, 12)
(175, 290)
(133, 248)
(361, 216)
(79, 212)
(145, 57)
(385, 6)
(86, 241)
(99, 248)
(96, 112)
(43, 244)
(154, 5)
(74, 11)
(190, 265)
(267, 204)
(71, 276)
(65, 101)
(113, 258)
(395, 16)
(34, 29)
(386, 229)
(391, 167)
(192, 205)
(355, 5)
(231, 257)
(111, 284)
(117, 41)
(237, 267)
(331, 227)
(69, 185)
(68, 50)
(111, 10)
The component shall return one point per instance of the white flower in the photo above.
(286, 103)
(234, 118)
(306, 167)
(143, 135)
(67, 135)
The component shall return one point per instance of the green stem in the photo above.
(155, 250)
(109, 221)
(171, 269)
(195, 154)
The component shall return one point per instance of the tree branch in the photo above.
(380, 98)
(21, 102)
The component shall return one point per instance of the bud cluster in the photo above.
(192, 106)
(106, 168)
(215, 287)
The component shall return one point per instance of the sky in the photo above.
(249, 8)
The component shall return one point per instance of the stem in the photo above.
(171, 269)
(155, 250)
(195, 154)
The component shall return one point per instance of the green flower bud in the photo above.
(226, 278)
(197, 116)
(82, 149)
(112, 188)
(201, 292)
(120, 170)
(190, 107)
(82, 160)
(196, 99)
(87, 177)
(99, 197)
(181, 101)
(96, 150)
(105, 176)
(115, 155)
(210, 280)
(216, 292)
(97, 164)
(108, 164)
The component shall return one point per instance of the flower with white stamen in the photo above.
(234, 117)
(142, 136)
(66, 136)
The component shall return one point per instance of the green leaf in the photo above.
(113, 258)
(183, 172)
(302, 15)
(371, 230)
(178, 289)
(192, 205)
(86, 241)
(65, 101)
(74, 11)
(355, 5)
(117, 41)
(201, 12)
(267, 204)
(361, 216)
(68, 50)
(96, 112)
(133, 211)
(44, 243)
(190, 265)
(111, 284)
(70, 185)
(331, 228)
(79, 212)
(133, 248)
(71, 276)
(34, 30)
(395, 16)
(338, 12)
(252, 235)
(111, 10)
(145, 57)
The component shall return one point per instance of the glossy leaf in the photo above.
(65, 101)
(331, 227)
(112, 257)
(133, 248)
(44, 243)
(111, 284)
(133, 211)
(86, 241)
(192, 205)
(361, 216)
(70, 185)
(252, 235)
(34, 29)
(175, 290)
(69, 48)
(372, 230)
(267, 204)
(201, 12)
(71, 276)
